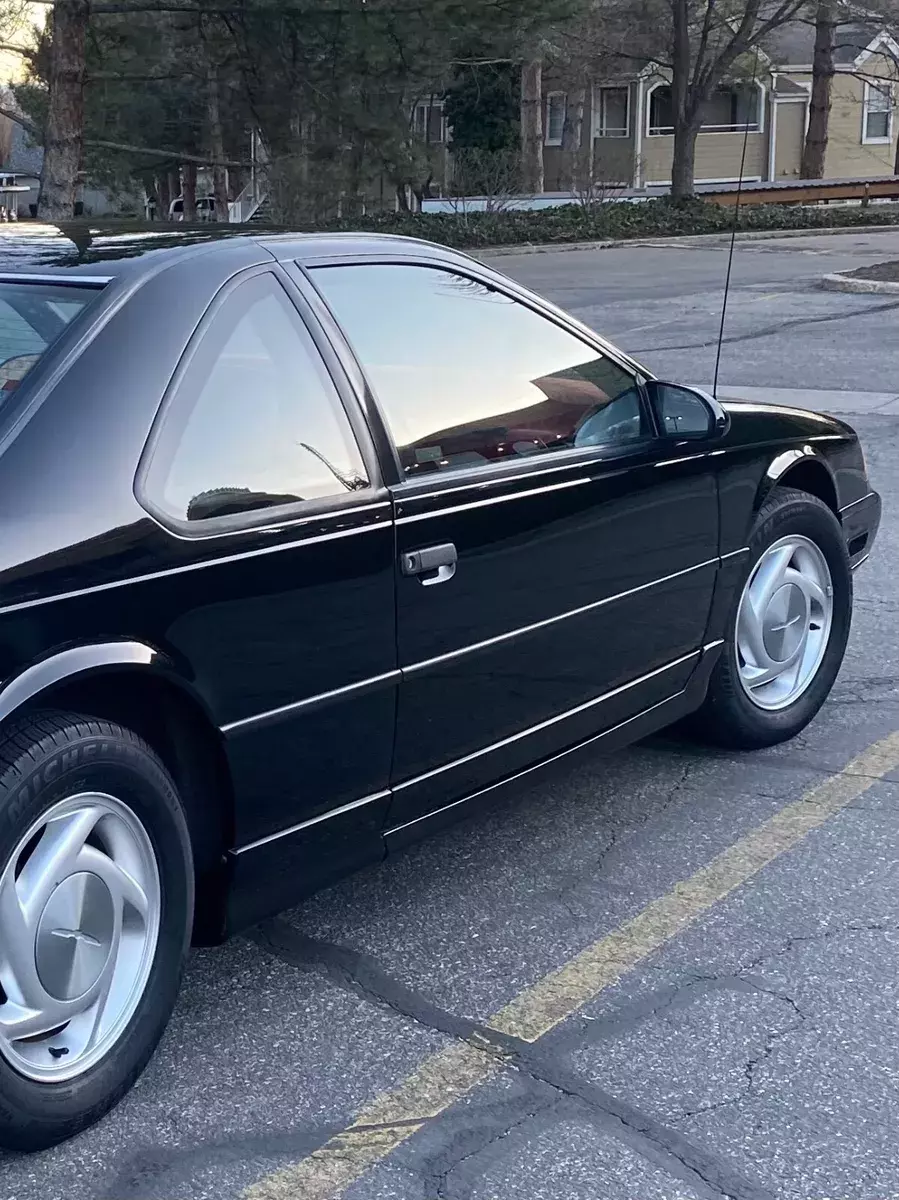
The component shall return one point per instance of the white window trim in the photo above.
(654, 183)
(878, 141)
(709, 130)
(599, 110)
(883, 44)
(547, 140)
(425, 105)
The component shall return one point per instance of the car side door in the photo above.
(275, 585)
(555, 562)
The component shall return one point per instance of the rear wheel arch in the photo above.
(175, 724)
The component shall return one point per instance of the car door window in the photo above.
(468, 376)
(255, 422)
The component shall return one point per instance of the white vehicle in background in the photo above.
(205, 208)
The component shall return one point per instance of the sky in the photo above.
(12, 66)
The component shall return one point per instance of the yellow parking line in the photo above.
(450, 1074)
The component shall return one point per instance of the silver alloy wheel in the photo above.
(783, 622)
(80, 906)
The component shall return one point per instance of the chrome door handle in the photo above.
(435, 564)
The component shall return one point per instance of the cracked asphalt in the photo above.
(754, 1054)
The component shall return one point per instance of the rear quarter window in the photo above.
(32, 317)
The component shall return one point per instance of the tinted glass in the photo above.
(32, 316)
(255, 422)
(681, 412)
(467, 376)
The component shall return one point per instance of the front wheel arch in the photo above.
(802, 470)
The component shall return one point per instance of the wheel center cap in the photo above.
(74, 936)
(786, 622)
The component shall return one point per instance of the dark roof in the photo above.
(793, 44)
(786, 87)
(83, 247)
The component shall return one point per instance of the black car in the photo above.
(311, 544)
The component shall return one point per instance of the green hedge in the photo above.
(611, 221)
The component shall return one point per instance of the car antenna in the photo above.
(733, 235)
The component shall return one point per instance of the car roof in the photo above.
(107, 252)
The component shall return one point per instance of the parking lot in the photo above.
(664, 974)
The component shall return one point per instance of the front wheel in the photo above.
(96, 901)
(788, 630)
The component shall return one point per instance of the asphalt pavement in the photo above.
(665, 974)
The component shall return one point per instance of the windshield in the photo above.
(32, 317)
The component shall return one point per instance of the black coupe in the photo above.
(309, 545)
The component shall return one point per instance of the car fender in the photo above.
(811, 470)
(81, 662)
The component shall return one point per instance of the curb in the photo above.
(675, 240)
(868, 287)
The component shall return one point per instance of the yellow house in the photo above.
(753, 129)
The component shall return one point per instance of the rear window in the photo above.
(32, 317)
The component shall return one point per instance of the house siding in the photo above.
(847, 156)
(613, 159)
(718, 156)
(789, 140)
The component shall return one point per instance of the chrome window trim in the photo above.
(611, 459)
(92, 281)
(443, 512)
(404, 490)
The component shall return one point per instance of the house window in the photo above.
(735, 109)
(661, 111)
(614, 112)
(878, 114)
(428, 123)
(555, 118)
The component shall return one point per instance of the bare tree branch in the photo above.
(27, 125)
(156, 152)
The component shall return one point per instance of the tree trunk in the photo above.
(149, 182)
(174, 179)
(216, 146)
(532, 126)
(684, 160)
(815, 148)
(164, 196)
(64, 133)
(684, 103)
(189, 190)
(572, 135)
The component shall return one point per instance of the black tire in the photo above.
(43, 760)
(728, 717)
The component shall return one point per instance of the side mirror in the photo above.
(684, 412)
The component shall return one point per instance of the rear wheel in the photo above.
(96, 903)
(788, 630)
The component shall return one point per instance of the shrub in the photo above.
(610, 221)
